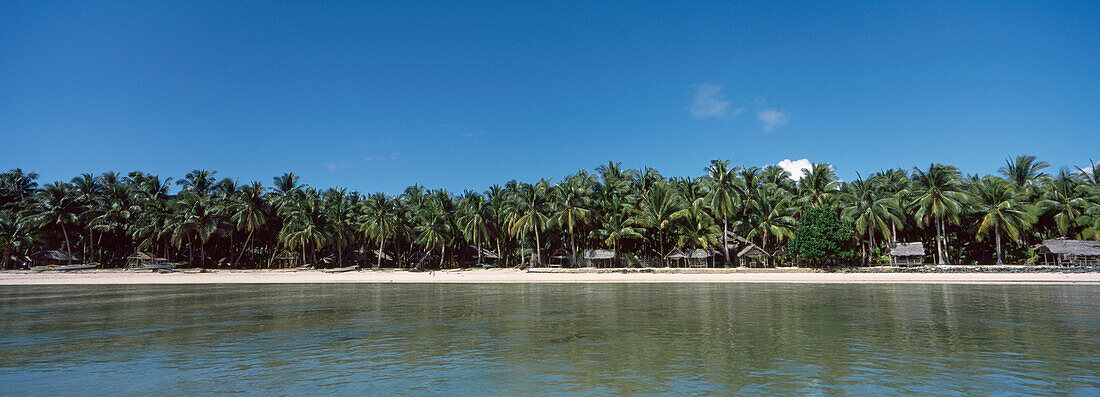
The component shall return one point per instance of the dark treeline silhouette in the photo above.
(638, 213)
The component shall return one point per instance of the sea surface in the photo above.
(523, 339)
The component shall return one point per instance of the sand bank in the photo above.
(520, 276)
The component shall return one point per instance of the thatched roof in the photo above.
(675, 254)
(735, 237)
(59, 255)
(145, 256)
(485, 253)
(752, 251)
(907, 249)
(599, 254)
(1071, 247)
(700, 253)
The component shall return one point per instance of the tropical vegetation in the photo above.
(210, 221)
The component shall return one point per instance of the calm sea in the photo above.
(522, 339)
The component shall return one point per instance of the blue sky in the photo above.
(462, 95)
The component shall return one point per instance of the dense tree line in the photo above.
(639, 213)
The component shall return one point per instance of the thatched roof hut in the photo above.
(58, 256)
(906, 253)
(139, 259)
(599, 257)
(753, 255)
(1064, 252)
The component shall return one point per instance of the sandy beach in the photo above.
(521, 276)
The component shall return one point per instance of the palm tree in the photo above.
(437, 227)
(659, 209)
(937, 197)
(249, 213)
(530, 212)
(818, 185)
(1025, 172)
(199, 182)
(192, 218)
(570, 207)
(379, 221)
(870, 210)
(998, 203)
(56, 206)
(475, 219)
(304, 222)
(1064, 200)
(723, 199)
(770, 214)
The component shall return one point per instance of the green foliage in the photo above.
(822, 238)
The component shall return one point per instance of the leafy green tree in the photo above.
(821, 237)
(380, 220)
(723, 198)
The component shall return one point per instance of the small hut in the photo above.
(753, 256)
(779, 255)
(599, 258)
(560, 258)
(675, 258)
(700, 257)
(285, 259)
(471, 254)
(1061, 252)
(57, 257)
(139, 259)
(906, 254)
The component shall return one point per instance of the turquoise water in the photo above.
(602, 339)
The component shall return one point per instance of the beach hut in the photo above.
(471, 255)
(675, 258)
(599, 257)
(57, 257)
(285, 259)
(906, 254)
(139, 259)
(700, 257)
(753, 256)
(1062, 252)
(560, 258)
(779, 255)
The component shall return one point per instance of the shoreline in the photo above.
(512, 276)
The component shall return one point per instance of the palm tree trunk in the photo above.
(442, 254)
(243, 249)
(68, 249)
(538, 245)
(573, 245)
(997, 232)
(942, 245)
(378, 255)
(725, 239)
(871, 248)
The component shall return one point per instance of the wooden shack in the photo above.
(1062, 252)
(906, 254)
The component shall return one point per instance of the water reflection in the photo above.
(549, 338)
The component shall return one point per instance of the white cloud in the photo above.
(772, 118)
(333, 166)
(711, 102)
(797, 168)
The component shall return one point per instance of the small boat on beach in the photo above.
(41, 268)
(159, 266)
(341, 269)
(67, 268)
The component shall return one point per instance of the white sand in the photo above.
(519, 276)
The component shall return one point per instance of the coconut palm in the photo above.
(818, 185)
(380, 220)
(1025, 172)
(56, 205)
(569, 207)
(659, 208)
(192, 218)
(249, 213)
(530, 212)
(1064, 201)
(870, 209)
(999, 205)
(723, 198)
(304, 222)
(770, 214)
(199, 182)
(475, 220)
(937, 196)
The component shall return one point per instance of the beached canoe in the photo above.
(159, 266)
(340, 269)
(66, 268)
(41, 268)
